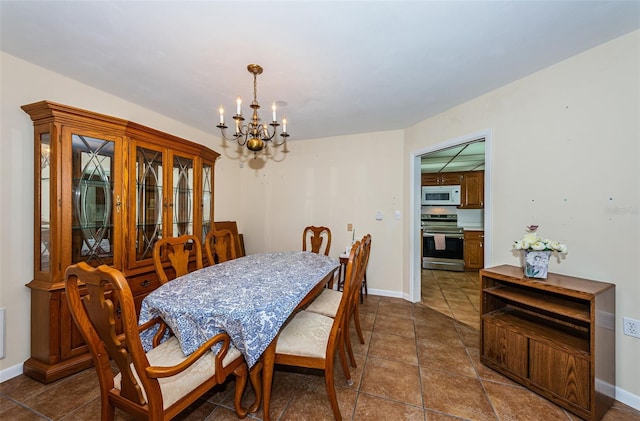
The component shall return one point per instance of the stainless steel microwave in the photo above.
(441, 195)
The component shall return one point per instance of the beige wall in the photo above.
(331, 182)
(566, 156)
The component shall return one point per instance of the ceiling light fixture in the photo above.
(254, 134)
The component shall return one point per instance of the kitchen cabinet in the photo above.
(472, 190)
(105, 190)
(442, 179)
(473, 249)
(554, 336)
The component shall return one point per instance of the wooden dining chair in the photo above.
(219, 246)
(179, 251)
(311, 340)
(328, 301)
(314, 238)
(154, 385)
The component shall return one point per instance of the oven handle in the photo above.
(455, 236)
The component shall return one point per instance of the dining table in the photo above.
(250, 298)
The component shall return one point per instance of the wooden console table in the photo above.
(554, 336)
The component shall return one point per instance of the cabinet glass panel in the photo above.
(45, 189)
(182, 196)
(207, 196)
(92, 216)
(149, 201)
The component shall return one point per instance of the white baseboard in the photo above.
(386, 293)
(628, 398)
(10, 372)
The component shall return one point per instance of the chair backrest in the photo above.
(220, 246)
(352, 284)
(366, 251)
(108, 300)
(315, 237)
(179, 251)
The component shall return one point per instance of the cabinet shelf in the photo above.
(561, 306)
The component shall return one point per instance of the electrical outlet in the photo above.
(631, 327)
(349, 227)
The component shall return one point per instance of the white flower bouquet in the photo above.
(532, 242)
(537, 251)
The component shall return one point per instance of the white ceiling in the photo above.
(342, 67)
(465, 157)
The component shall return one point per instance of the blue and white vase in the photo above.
(536, 263)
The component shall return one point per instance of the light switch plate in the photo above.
(378, 216)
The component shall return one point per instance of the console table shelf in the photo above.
(543, 334)
(544, 301)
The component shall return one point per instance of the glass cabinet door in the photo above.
(182, 201)
(43, 259)
(92, 190)
(207, 199)
(150, 200)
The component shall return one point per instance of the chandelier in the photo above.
(254, 134)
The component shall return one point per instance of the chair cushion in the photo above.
(326, 303)
(169, 353)
(306, 334)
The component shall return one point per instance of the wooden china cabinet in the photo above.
(106, 190)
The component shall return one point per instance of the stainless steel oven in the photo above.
(442, 242)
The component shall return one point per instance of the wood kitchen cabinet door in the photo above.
(442, 179)
(472, 194)
(473, 250)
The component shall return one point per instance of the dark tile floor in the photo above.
(419, 362)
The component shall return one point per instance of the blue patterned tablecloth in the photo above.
(250, 298)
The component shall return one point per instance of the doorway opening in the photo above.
(456, 155)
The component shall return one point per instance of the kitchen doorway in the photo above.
(438, 156)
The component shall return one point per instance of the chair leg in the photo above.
(347, 342)
(364, 288)
(107, 410)
(241, 382)
(256, 383)
(329, 381)
(356, 317)
(343, 359)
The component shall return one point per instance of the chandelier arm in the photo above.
(241, 138)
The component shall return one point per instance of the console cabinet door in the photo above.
(563, 373)
(506, 348)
